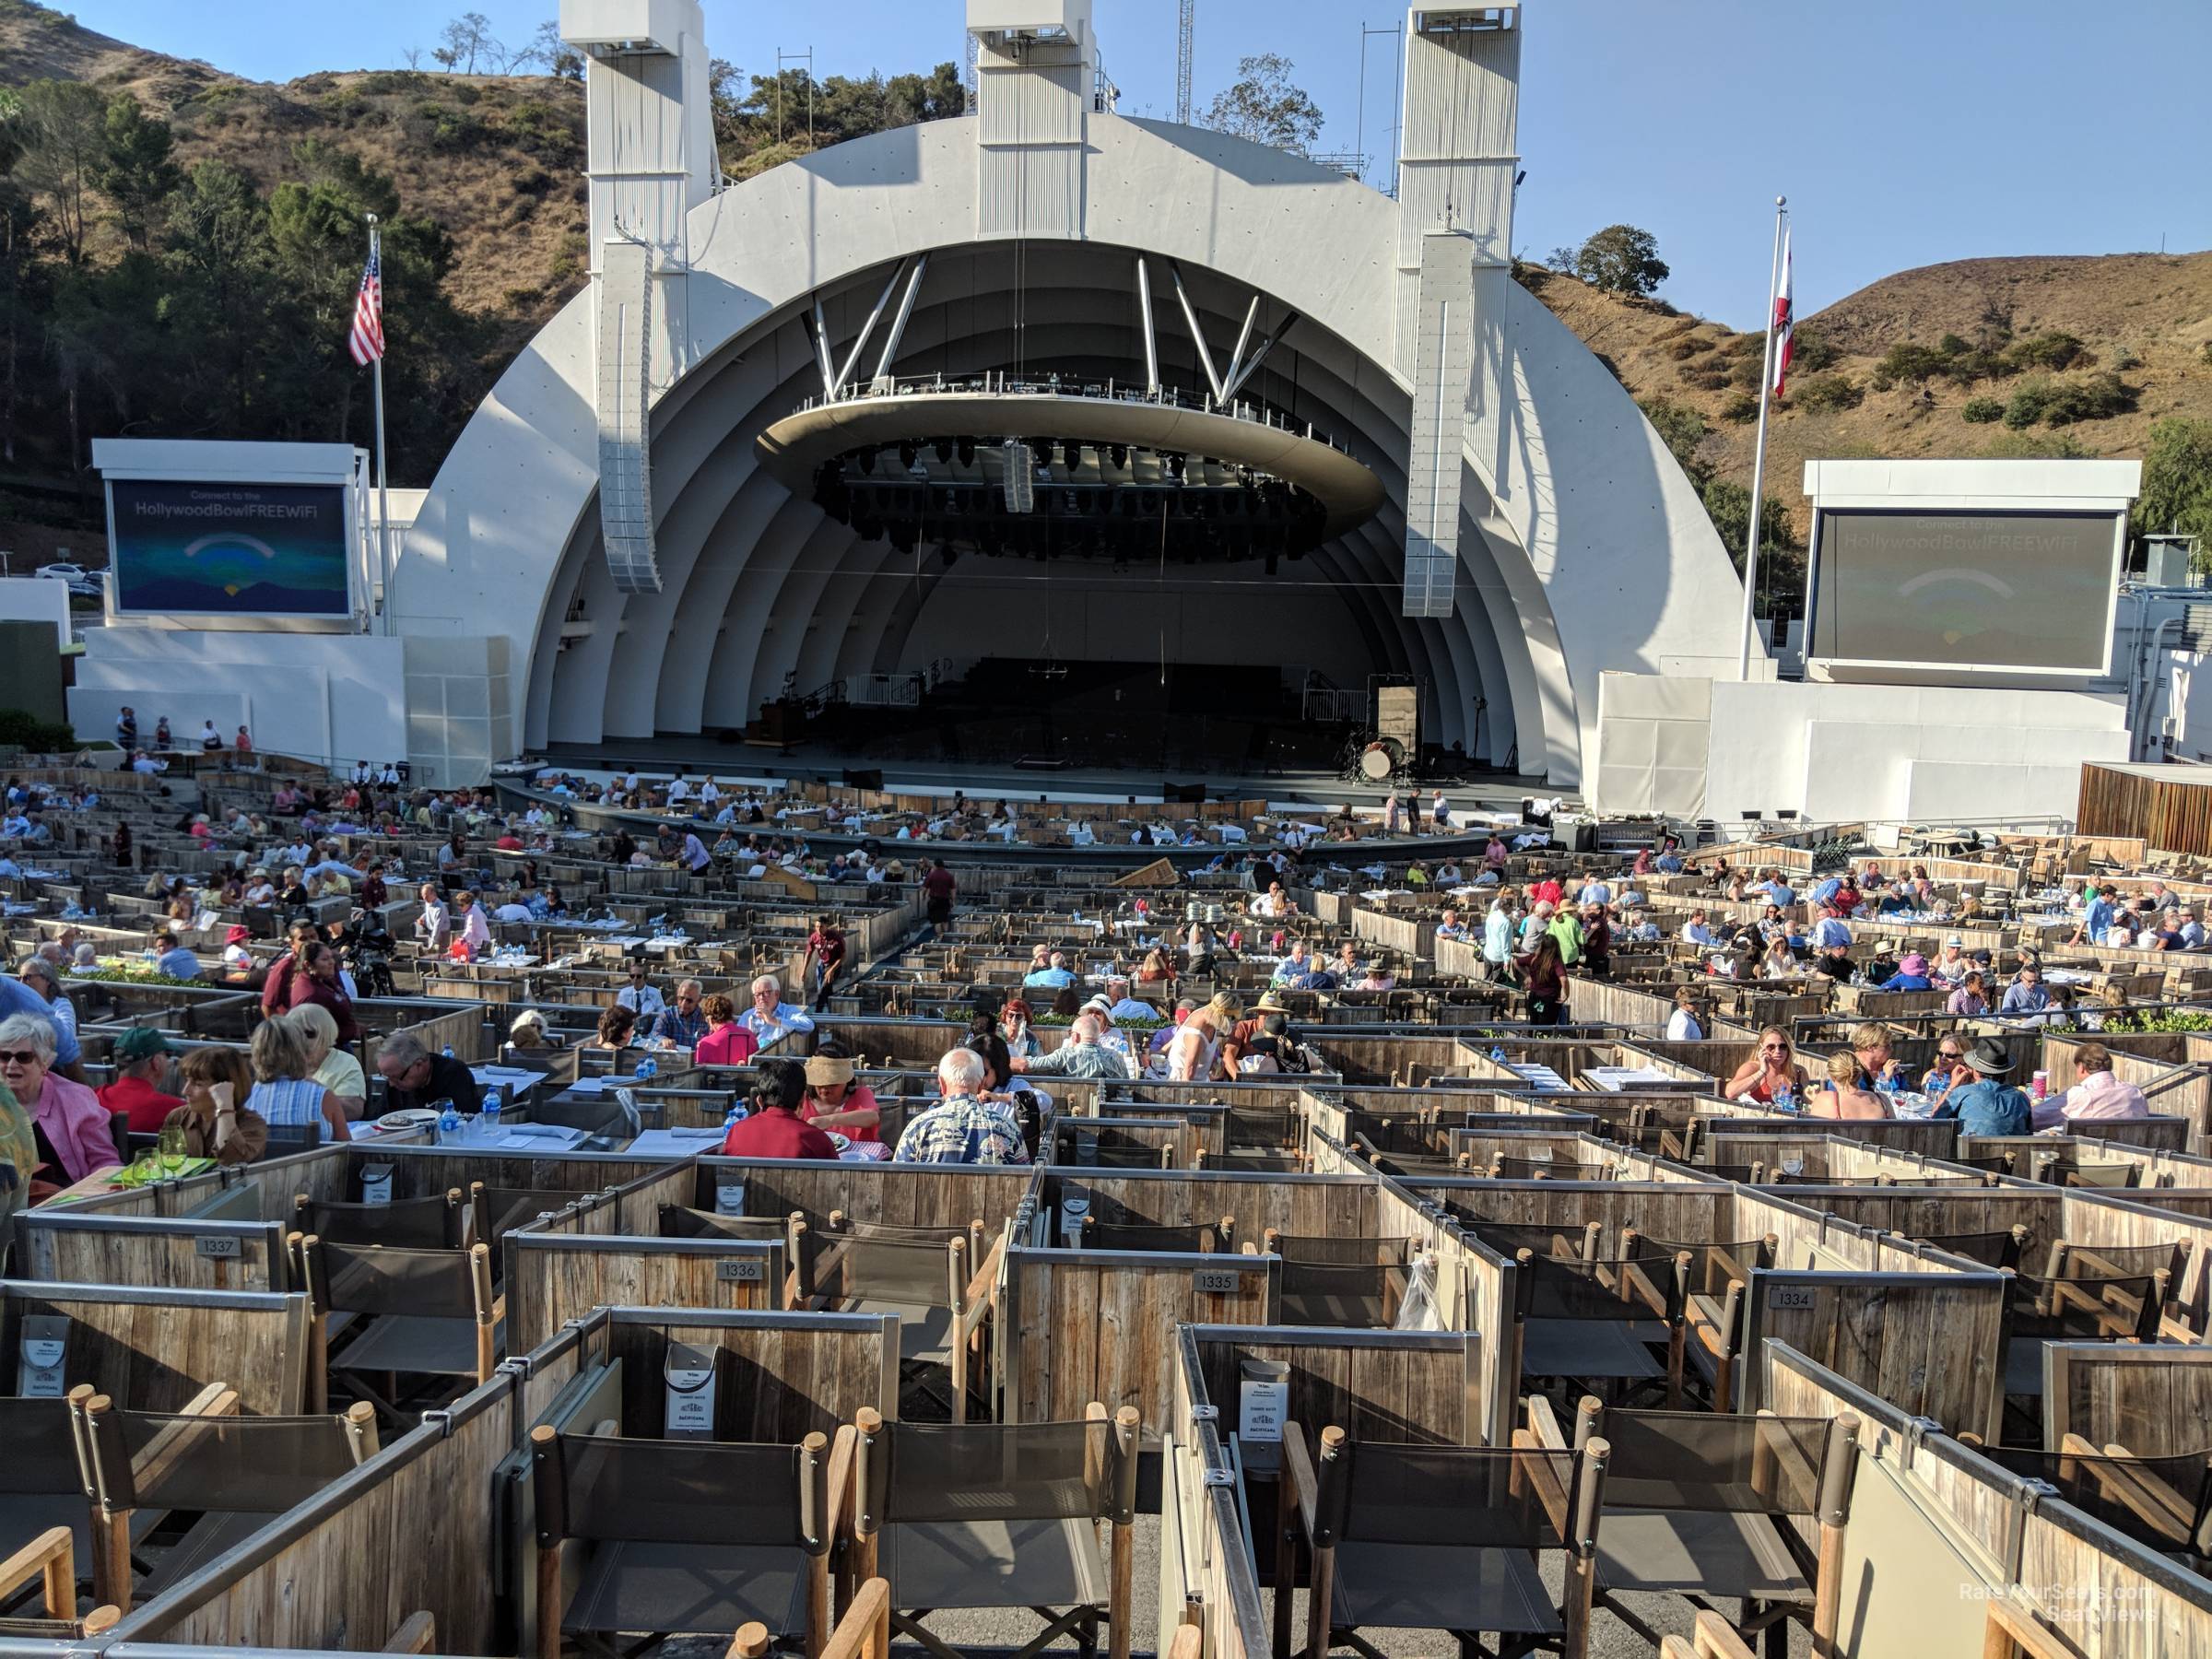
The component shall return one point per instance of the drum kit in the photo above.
(1382, 761)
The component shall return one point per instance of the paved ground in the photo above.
(1010, 1630)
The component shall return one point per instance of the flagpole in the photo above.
(384, 505)
(1758, 459)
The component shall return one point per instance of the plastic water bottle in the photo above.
(448, 1050)
(449, 1124)
(488, 1121)
(1785, 1099)
(735, 1116)
(647, 1068)
(1498, 1053)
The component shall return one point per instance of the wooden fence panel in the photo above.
(152, 1350)
(795, 1373)
(553, 1278)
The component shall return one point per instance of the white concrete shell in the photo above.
(1581, 545)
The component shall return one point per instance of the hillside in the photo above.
(480, 179)
(495, 160)
(2145, 318)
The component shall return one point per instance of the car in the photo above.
(83, 583)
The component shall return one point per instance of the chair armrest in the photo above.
(1712, 1638)
(51, 1556)
(217, 1399)
(2013, 1628)
(1549, 1493)
(1543, 1427)
(843, 1451)
(1305, 1486)
(871, 1610)
(417, 1633)
(987, 1277)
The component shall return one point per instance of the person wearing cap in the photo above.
(1982, 1101)
(1566, 927)
(141, 1057)
(835, 1102)
(1683, 1025)
(238, 959)
(1951, 968)
(1912, 974)
(1108, 1037)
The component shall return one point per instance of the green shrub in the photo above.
(2028, 405)
(1916, 365)
(2100, 397)
(2204, 352)
(1748, 372)
(1826, 392)
(25, 730)
(1742, 407)
(1810, 351)
(2054, 351)
(2034, 446)
(1980, 411)
(1705, 377)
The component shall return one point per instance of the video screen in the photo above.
(230, 549)
(2003, 589)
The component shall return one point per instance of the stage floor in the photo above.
(1085, 781)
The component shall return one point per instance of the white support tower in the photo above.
(1455, 238)
(1036, 61)
(650, 159)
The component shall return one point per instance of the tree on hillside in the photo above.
(65, 146)
(1265, 107)
(136, 174)
(466, 42)
(2177, 480)
(1620, 259)
(549, 52)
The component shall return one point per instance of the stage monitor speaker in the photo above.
(863, 780)
(1583, 838)
(1193, 795)
(1398, 715)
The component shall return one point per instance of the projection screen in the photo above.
(2023, 591)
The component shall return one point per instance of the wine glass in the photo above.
(172, 1149)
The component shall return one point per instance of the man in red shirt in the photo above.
(141, 1055)
(938, 888)
(775, 1129)
(825, 947)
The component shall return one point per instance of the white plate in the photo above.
(414, 1118)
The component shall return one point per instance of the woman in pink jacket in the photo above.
(71, 1125)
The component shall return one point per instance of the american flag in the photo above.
(366, 339)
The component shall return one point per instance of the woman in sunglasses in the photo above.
(69, 1124)
(1949, 1070)
(1771, 1074)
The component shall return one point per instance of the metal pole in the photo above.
(1758, 461)
(384, 501)
(1144, 305)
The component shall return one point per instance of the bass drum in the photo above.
(1378, 760)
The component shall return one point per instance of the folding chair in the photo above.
(43, 1483)
(1999, 1250)
(2074, 1303)
(1698, 1504)
(1440, 1538)
(2164, 1504)
(435, 1222)
(1001, 1515)
(49, 1561)
(1710, 1638)
(428, 1312)
(495, 1211)
(1200, 1237)
(1546, 1169)
(921, 1275)
(864, 1632)
(236, 1473)
(1354, 1283)
(683, 1538)
(1564, 1241)
(1597, 1321)
(2060, 1170)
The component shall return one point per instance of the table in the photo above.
(676, 1143)
(520, 1137)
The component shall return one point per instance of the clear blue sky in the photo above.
(1904, 131)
